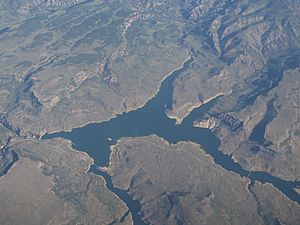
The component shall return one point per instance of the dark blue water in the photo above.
(151, 119)
(15, 158)
(258, 133)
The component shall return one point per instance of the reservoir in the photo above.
(97, 138)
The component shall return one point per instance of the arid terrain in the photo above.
(68, 64)
(179, 184)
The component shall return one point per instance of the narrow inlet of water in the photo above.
(97, 138)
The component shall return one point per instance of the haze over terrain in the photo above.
(150, 112)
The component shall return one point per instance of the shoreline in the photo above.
(67, 130)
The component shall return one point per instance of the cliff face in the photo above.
(209, 123)
(64, 66)
(244, 52)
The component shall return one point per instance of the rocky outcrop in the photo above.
(233, 123)
(209, 123)
(5, 122)
(25, 7)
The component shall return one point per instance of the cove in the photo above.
(97, 138)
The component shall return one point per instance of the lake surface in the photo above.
(97, 138)
(15, 158)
